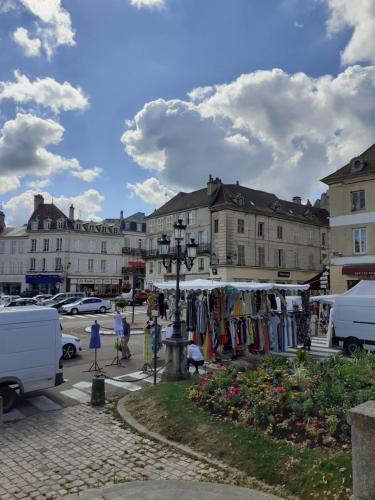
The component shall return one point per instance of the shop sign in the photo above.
(283, 274)
(85, 281)
(107, 282)
(98, 282)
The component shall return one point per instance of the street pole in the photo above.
(133, 295)
(155, 346)
(177, 317)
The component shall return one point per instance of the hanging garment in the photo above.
(237, 308)
(191, 314)
(201, 315)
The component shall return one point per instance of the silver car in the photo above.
(88, 304)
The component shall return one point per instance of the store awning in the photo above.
(314, 282)
(43, 279)
(359, 269)
(137, 263)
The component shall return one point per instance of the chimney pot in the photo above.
(71, 212)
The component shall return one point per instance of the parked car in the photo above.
(88, 304)
(5, 299)
(62, 296)
(70, 346)
(42, 296)
(22, 302)
(58, 305)
(30, 351)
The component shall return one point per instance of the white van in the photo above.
(354, 322)
(30, 351)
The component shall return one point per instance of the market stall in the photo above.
(236, 317)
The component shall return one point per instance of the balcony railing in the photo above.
(133, 251)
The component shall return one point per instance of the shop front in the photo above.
(44, 283)
(102, 287)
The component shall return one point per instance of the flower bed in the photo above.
(304, 401)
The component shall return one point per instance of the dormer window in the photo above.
(356, 165)
(275, 206)
(91, 227)
(47, 224)
(34, 225)
(104, 229)
(77, 226)
(115, 230)
(60, 224)
(238, 199)
(308, 214)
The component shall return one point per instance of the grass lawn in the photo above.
(303, 472)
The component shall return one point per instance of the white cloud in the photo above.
(53, 26)
(30, 46)
(23, 148)
(46, 92)
(151, 191)
(87, 205)
(87, 174)
(360, 16)
(8, 183)
(267, 129)
(39, 184)
(148, 3)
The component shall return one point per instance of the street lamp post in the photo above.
(176, 359)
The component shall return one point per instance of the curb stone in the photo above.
(129, 420)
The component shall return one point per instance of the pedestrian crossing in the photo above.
(95, 315)
(78, 393)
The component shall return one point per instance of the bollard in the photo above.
(1, 411)
(98, 391)
(362, 420)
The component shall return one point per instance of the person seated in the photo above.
(194, 356)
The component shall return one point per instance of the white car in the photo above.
(88, 304)
(70, 346)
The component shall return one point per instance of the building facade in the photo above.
(54, 252)
(352, 221)
(242, 235)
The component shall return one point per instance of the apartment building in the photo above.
(54, 252)
(352, 221)
(242, 235)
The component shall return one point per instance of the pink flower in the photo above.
(232, 391)
(279, 389)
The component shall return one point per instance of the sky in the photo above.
(119, 104)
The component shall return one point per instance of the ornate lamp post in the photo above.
(176, 365)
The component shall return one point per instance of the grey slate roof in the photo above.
(236, 197)
(13, 232)
(47, 211)
(345, 172)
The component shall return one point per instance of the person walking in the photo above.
(125, 340)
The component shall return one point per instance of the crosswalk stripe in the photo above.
(141, 376)
(76, 394)
(43, 403)
(82, 385)
(124, 385)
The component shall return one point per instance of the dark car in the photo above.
(22, 302)
(60, 303)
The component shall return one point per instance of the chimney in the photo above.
(2, 221)
(297, 199)
(71, 212)
(237, 183)
(121, 214)
(38, 200)
(213, 185)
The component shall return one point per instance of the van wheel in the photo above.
(102, 310)
(351, 345)
(68, 351)
(74, 311)
(9, 396)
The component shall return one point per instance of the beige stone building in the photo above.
(352, 221)
(242, 235)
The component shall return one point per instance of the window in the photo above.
(43, 264)
(58, 264)
(47, 224)
(311, 236)
(45, 245)
(260, 229)
(159, 267)
(76, 265)
(33, 246)
(102, 266)
(358, 200)
(2, 246)
(159, 223)
(216, 225)
(20, 267)
(32, 264)
(13, 246)
(324, 240)
(168, 222)
(20, 246)
(296, 260)
(295, 236)
(241, 255)
(104, 247)
(115, 230)
(34, 225)
(104, 229)
(91, 227)
(279, 232)
(191, 218)
(60, 224)
(360, 240)
(151, 267)
(58, 244)
(151, 226)
(261, 256)
(90, 265)
(311, 261)
(140, 243)
(200, 264)
(202, 237)
(280, 258)
(78, 226)
(240, 226)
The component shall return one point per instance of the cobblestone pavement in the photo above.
(66, 451)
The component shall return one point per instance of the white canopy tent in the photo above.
(201, 284)
(365, 288)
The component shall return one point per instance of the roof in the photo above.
(346, 172)
(236, 197)
(13, 232)
(47, 211)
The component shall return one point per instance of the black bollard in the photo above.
(98, 391)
